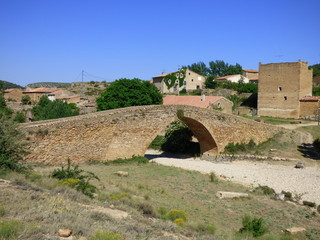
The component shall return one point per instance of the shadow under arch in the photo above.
(208, 146)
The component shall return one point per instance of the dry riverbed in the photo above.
(300, 182)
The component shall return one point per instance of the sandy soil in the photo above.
(304, 182)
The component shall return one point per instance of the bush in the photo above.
(12, 149)
(255, 226)
(265, 190)
(213, 177)
(134, 159)
(2, 211)
(76, 178)
(239, 147)
(20, 117)
(180, 222)
(106, 235)
(10, 229)
(175, 214)
(146, 209)
(26, 100)
(118, 196)
(206, 229)
(316, 144)
(46, 109)
(309, 204)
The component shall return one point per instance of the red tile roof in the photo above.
(310, 99)
(191, 100)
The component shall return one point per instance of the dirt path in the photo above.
(300, 182)
(295, 126)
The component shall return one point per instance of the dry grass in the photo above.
(44, 207)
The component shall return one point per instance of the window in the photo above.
(185, 83)
(198, 87)
(279, 89)
(192, 80)
(285, 98)
(189, 74)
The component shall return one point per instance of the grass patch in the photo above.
(157, 143)
(313, 130)
(10, 229)
(273, 120)
(133, 160)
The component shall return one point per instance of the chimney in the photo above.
(203, 97)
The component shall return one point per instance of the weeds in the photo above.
(206, 229)
(309, 204)
(213, 177)
(106, 235)
(233, 148)
(175, 214)
(264, 190)
(255, 226)
(134, 159)
(76, 178)
(2, 211)
(10, 229)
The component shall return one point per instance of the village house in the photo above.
(13, 94)
(284, 89)
(64, 95)
(36, 93)
(213, 102)
(310, 107)
(182, 79)
(236, 78)
(251, 74)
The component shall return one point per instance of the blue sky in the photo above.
(54, 40)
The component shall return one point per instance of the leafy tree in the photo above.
(11, 148)
(316, 90)
(220, 68)
(46, 109)
(4, 110)
(128, 92)
(199, 67)
(210, 83)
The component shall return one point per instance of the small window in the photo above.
(189, 74)
(285, 98)
(192, 80)
(185, 83)
(279, 89)
(198, 87)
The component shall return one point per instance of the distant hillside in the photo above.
(49, 85)
(7, 85)
(316, 69)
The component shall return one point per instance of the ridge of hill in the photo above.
(7, 85)
(49, 85)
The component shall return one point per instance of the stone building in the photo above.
(233, 78)
(251, 74)
(13, 94)
(189, 79)
(36, 93)
(309, 107)
(281, 86)
(213, 102)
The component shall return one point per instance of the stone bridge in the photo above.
(122, 133)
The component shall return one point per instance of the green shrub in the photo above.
(26, 100)
(264, 190)
(2, 211)
(255, 226)
(20, 117)
(118, 196)
(10, 229)
(206, 229)
(76, 178)
(180, 222)
(239, 147)
(157, 143)
(213, 177)
(175, 214)
(134, 159)
(106, 235)
(146, 209)
(309, 204)
(162, 211)
(287, 195)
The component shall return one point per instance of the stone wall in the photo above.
(125, 132)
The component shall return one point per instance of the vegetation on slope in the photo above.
(49, 85)
(7, 85)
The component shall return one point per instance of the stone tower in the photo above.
(281, 86)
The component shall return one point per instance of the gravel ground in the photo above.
(305, 182)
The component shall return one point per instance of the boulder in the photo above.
(64, 232)
(231, 195)
(295, 230)
(300, 165)
(122, 174)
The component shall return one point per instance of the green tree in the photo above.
(4, 110)
(316, 69)
(128, 92)
(210, 83)
(199, 67)
(46, 109)
(11, 148)
(220, 68)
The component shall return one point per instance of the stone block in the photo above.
(231, 195)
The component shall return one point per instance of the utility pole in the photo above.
(82, 84)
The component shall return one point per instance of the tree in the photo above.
(316, 69)
(220, 68)
(210, 83)
(11, 148)
(128, 92)
(46, 109)
(199, 67)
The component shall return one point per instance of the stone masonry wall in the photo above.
(125, 132)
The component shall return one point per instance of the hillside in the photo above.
(7, 85)
(49, 85)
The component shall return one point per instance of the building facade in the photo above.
(177, 81)
(281, 86)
